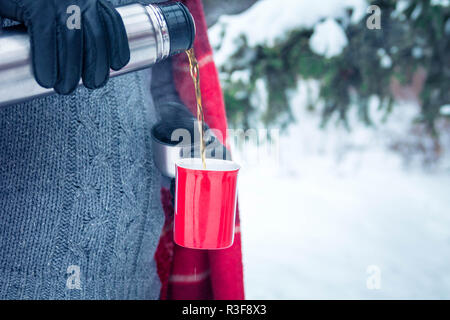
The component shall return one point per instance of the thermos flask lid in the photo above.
(181, 26)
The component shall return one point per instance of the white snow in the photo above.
(328, 39)
(444, 3)
(445, 110)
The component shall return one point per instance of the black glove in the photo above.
(62, 53)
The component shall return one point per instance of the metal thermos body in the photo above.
(149, 40)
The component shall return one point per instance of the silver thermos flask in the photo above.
(154, 32)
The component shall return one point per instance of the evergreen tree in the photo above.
(417, 36)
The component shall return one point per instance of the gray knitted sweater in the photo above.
(80, 212)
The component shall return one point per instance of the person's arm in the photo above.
(71, 40)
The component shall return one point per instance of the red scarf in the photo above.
(188, 273)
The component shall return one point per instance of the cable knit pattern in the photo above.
(78, 187)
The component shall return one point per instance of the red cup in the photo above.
(205, 203)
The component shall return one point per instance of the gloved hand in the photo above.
(62, 50)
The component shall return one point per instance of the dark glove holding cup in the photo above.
(71, 39)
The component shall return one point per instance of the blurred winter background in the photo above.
(354, 201)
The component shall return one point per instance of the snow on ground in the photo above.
(328, 39)
(336, 210)
(337, 204)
